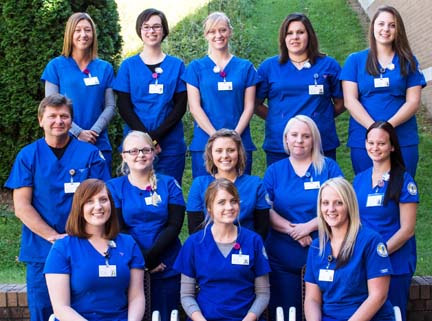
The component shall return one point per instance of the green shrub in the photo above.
(32, 34)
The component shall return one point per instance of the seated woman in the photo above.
(225, 157)
(227, 262)
(95, 273)
(348, 269)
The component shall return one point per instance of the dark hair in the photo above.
(397, 169)
(146, 15)
(400, 45)
(235, 137)
(312, 46)
(54, 100)
(76, 223)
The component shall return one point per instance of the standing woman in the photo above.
(383, 82)
(151, 209)
(227, 262)
(292, 185)
(85, 79)
(95, 273)
(225, 157)
(388, 200)
(300, 81)
(221, 92)
(348, 269)
(151, 96)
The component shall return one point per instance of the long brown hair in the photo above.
(400, 45)
(312, 46)
(76, 223)
(70, 29)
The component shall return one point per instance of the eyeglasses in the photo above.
(137, 151)
(156, 27)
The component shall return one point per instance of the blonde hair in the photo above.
(213, 19)
(346, 192)
(69, 32)
(124, 168)
(317, 152)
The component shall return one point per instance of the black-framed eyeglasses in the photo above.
(137, 151)
(156, 27)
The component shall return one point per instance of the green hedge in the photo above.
(31, 35)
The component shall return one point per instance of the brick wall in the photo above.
(13, 301)
(416, 15)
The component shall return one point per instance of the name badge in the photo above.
(225, 85)
(381, 82)
(156, 89)
(153, 199)
(70, 188)
(374, 200)
(316, 89)
(91, 81)
(238, 259)
(107, 271)
(312, 185)
(326, 275)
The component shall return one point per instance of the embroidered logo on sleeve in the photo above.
(382, 250)
(412, 188)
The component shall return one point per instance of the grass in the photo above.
(256, 25)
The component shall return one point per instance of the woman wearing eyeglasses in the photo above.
(151, 208)
(221, 92)
(151, 96)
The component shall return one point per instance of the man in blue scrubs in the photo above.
(44, 178)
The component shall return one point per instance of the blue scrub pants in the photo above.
(107, 154)
(37, 292)
(286, 289)
(272, 157)
(399, 292)
(360, 160)
(171, 165)
(165, 295)
(198, 164)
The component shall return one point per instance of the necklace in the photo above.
(299, 61)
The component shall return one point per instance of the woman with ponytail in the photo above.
(151, 208)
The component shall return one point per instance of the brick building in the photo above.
(416, 15)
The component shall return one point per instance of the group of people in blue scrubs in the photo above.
(247, 234)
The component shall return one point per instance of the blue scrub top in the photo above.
(92, 296)
(342, 297)
(227, 290)
(251, 191)
(134, 78)
(88, 101)
(381, 103)
(223, 108)
(286, 191)
(386, 219)
(287, 91)
(37, 167)
(145, 222)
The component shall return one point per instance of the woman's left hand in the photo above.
(299, 230)
(161, 267)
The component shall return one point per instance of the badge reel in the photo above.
(156, 88)
(107, 270)
(239, 259)
(70, 188)
(381, 82)
(326, 275)
(316, 89)
(311, 184)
